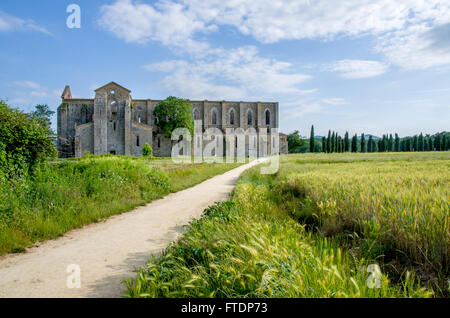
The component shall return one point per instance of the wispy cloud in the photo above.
(294, 109)
(357, 69)
(9, 22)
(26, 84)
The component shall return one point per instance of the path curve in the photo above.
(110, 251)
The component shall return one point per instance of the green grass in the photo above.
(312, 229)
(68, 194)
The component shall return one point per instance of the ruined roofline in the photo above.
(114, 84)
(78, 100)
(206, 101)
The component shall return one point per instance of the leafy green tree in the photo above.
(42, 114)
(173, 113)
(324, 144)
(147, 150)
(431, 143)
(363, 143)
(311, 140)
(24, 141)
(295, 142)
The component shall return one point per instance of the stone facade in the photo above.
(114, 123)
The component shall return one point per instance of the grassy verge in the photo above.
(312, 230)
(68, 194)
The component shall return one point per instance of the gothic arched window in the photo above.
(267, 117)
(232, 117)
(114, 109)
(196, 115)
(249, 118)
(214, 117)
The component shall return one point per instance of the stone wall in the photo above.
(122, 126)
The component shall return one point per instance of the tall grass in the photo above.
(68, 194)
(256, 246)
(398, 207)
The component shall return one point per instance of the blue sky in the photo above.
(359, 65)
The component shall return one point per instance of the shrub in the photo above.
(147, 150)
(23, 141)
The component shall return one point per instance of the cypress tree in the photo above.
(408, 144)
(397, 143)
(415, 143)
(311, 140)
(438, 142)
(431, 143)
(336, 143)
(355, 143)
(346, 142)
(391, 143)
(421, 146)
(329, 141)
(333, 142)
(370, 148)
(363, 143)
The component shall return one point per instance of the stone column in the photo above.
(224, 116)
(149, 113)
(100, 123)
(242, 117)
(127, 119)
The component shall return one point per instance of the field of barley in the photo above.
(314, 229)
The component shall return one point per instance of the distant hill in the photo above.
(368, 135)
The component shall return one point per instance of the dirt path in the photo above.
(110, 251)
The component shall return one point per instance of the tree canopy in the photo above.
(295, 142)
(42, 114)
(173, 113)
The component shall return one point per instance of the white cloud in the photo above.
(9, 22)
(356, 69)
(166, 22)
(239, 74)
(294, 109)
(334, 101)
(403, 29)
(26, 84)
(418, 46)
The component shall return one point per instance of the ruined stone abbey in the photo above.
(114, 123)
